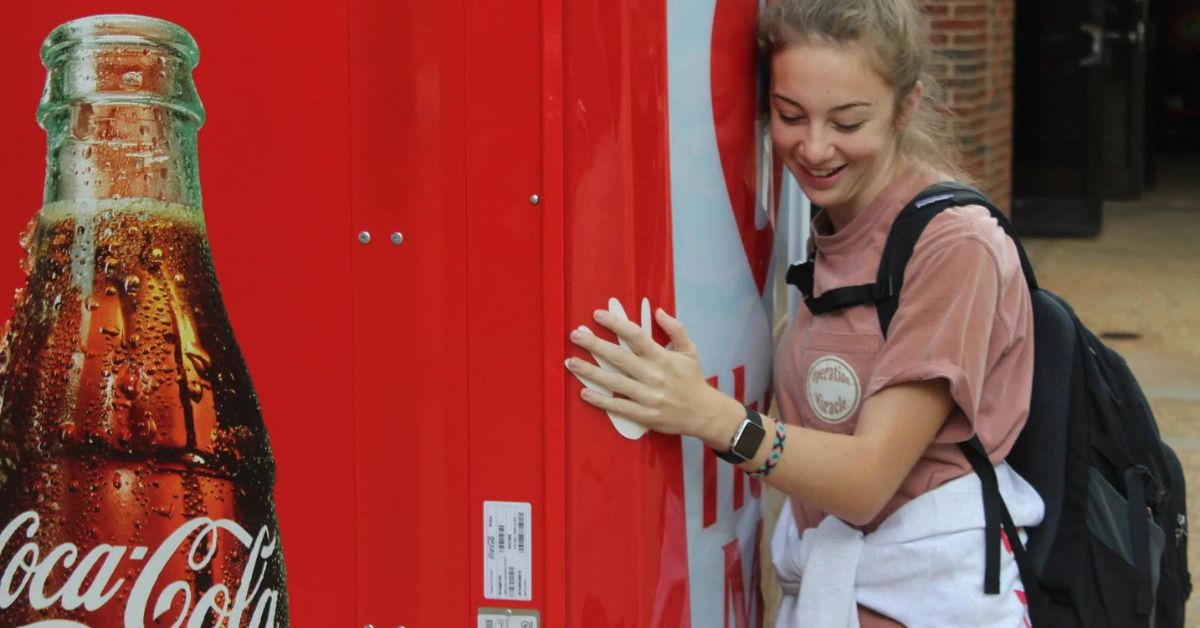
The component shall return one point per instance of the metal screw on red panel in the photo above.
(534, 199)
(397, 237)
(364, 237)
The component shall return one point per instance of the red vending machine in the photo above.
(409, 205)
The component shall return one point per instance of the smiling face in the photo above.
(833, 123)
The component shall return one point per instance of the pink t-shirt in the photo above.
(964, 316)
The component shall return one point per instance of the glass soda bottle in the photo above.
(136, 476)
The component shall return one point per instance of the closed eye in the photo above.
(848, 128)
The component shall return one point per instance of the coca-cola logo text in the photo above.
(29, 570)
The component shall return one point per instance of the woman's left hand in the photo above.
(664, 387)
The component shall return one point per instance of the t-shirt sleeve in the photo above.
(947, 323)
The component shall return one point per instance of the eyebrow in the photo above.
(849, 105)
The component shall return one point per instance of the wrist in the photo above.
(722, 420)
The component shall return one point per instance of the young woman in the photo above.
(884, 520)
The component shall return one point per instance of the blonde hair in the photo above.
(896, 35)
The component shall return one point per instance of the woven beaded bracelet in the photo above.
(776, 453)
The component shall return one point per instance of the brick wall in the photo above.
(975, 41)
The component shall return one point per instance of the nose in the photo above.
(813, 147)
(810, 144)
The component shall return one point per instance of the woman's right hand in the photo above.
(664, 388)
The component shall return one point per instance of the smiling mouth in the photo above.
(826, 173)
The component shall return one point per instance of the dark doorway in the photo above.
(1175, 94)
(1106, 95)
(1058, 116)
(1127, 38)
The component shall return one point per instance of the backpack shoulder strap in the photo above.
(997, 517)
(907, 229)
(902, 239)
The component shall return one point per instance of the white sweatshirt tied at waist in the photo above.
(923, 566)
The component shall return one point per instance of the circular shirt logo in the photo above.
(833, 389)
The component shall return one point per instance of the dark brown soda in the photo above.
(127, 409)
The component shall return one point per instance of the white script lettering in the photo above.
(28, 572)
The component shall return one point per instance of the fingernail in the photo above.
(584, 329)
(587, 394)
(600, 315)
(569, 363)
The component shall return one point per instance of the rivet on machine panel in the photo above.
(364, 237)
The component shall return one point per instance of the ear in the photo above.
(910, 105)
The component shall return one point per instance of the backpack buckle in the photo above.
(1156, 493)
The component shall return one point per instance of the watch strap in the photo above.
(731, 456)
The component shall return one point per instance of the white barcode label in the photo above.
(508, 618)
(507, 551)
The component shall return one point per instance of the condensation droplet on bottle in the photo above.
(132, 284)
(178, 278)
(66, 433)
(156, 254)
(131, 80)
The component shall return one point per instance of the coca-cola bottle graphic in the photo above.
(136, 476)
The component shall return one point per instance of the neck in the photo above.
(121, 150)
(845, 213)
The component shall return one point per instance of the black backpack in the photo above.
(1112, 548)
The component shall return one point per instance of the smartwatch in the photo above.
(746, 440)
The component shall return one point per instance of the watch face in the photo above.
(749, 440)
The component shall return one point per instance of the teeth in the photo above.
(823, 173)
